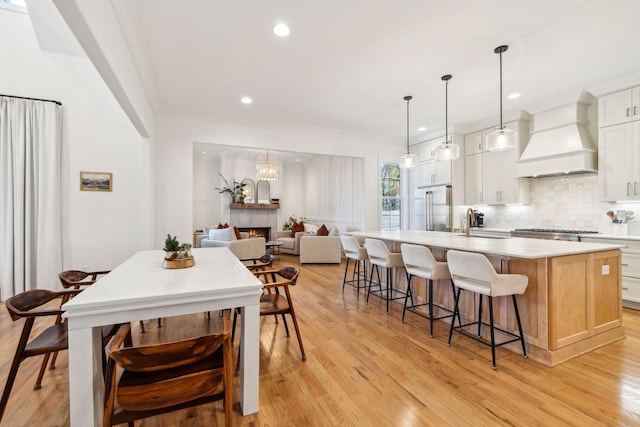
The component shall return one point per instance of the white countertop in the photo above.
(513, 246)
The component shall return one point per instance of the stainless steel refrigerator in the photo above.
(434, 208)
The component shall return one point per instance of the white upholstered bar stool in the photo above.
(353, 251)
(473, 272)
(419, 261)
(380, 256)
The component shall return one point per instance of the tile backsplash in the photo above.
(570, 202)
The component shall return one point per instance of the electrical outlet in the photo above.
(605, 270)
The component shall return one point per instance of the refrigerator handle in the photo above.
(450, 205)
(428, 197)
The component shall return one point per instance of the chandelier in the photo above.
(267, 171)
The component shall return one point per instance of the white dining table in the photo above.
(140, 288)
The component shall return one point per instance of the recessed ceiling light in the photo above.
(281, 30)
(513, 95)
(422, 129)
(204, 152)
(246, 100)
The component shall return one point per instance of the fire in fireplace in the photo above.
(257, 232)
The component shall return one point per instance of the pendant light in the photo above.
(408, 160)
(267, 171)
(501, 139)
(447, 150)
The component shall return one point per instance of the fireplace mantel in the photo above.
(254, 206)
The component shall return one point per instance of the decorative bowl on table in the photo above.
(177, 255)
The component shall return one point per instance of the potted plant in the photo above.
(171, 247)
(184, 251)
(236, 191)
(287, 225)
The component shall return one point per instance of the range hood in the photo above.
(560, 144)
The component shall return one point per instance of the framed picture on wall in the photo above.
(96, 181)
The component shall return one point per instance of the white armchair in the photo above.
(290, 245)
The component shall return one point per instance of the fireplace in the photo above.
(257, 232)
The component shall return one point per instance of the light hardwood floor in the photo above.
(366, 367)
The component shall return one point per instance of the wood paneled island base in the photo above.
(572, 305)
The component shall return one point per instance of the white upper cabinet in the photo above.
(619, 107)
(436, 172)
(490, 176)
(619, 145)
(474, 143)
(473, 169)
(619, 161)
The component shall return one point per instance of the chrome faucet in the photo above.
(471, 217)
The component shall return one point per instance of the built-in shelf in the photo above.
(254, 206)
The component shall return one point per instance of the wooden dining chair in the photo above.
(258, 264)
(78, 279)
(165, 377)
(274, 302)
(29, 306)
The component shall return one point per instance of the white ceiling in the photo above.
(348, 63)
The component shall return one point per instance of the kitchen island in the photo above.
(572, 304)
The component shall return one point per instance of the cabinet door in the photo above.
(473, 143)
(491, 177)
(509, 188)
(616, 108)
(473, 180)
(427, 151)
(442, 172)
(617, 162)
(630, 289)
(426, 173)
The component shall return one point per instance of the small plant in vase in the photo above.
(184, 251)
(171, 247)
(177, 255)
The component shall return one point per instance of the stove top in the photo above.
(550, 234)
(553, 230)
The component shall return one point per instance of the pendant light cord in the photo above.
(446, 111)
(408, 98)
(501, 126)
(500, 50)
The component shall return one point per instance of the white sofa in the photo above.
(320, 249)
(244, 248)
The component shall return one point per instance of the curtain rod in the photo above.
(32, 99)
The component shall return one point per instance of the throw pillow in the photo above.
(334, 231)
(220, 226)
(235, 230)
(322, 231)
(296, 228)
(224, 234)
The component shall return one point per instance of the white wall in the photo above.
(100, 230)
(174, 138)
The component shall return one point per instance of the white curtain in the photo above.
(30, 235)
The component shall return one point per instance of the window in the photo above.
(14, 5)
(390, 181)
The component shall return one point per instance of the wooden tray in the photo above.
(179, 263)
